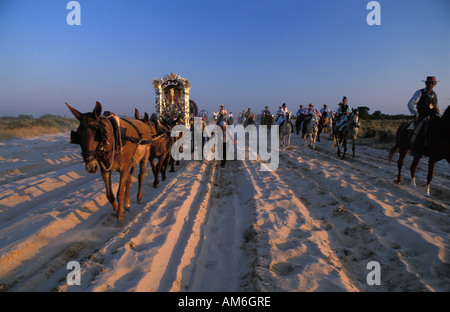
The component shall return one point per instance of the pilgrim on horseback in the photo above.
(343, 113)
(310, 113)
(324, 111)
(324, 121)
(301, 113)
(221, 114)
(266, 113)
(281, 115)
(266, 117)
(249, 118)
(424, 106)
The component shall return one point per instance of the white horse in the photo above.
(311, 131)
(285, 131)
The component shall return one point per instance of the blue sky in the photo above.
(247, 53)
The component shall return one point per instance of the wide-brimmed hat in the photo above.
(430, 79)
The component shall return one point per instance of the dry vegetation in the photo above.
(27, 126)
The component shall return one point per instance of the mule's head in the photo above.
(91, 136)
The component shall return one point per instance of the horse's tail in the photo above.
(392, 152)
(396, 147)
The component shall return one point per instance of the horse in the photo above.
(100, 149)
(285, 130)
(350, 132)
(267, 120)
(160, 148)
(298, 123)
(249, 121)
(311, 132)
(325, 123)
(438, 147)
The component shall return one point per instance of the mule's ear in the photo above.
(97, 110)
(136, 114)
(75, 112)
(146, 118)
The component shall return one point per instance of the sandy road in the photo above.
(311, 225)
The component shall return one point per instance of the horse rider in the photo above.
(266, 112)
(221, 114)
(230, 118)
(227, 140)
(309, 114)
(301, 111)
(423, 105)
(325, 110)
(249, 114)
(343, 113)
(281, 113)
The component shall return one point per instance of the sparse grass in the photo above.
(381, 130)
(27, 126)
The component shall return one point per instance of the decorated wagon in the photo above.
(172, 98)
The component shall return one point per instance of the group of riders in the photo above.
(423, 105)
(304, 115)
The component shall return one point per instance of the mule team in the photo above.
(114, 144)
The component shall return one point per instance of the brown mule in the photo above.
(99, 147)
(160, 148)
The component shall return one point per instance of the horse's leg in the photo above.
(339, 142)
(142, 169)
(353, 146)
(163, 166)
(125, 176)
(126, 202)
(155, 173)
(344, 144)
(413, 169)
(106, 175)
(431, 163)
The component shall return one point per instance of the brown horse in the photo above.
(438, 147)
(102, 148)
(161, 146)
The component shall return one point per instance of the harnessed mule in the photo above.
(100, 149)
(160, 148)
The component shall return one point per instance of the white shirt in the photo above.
(416, 98)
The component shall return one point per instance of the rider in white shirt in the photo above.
(281, 113)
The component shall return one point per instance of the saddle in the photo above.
(119, 129)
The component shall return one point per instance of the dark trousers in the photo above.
(224, 158)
